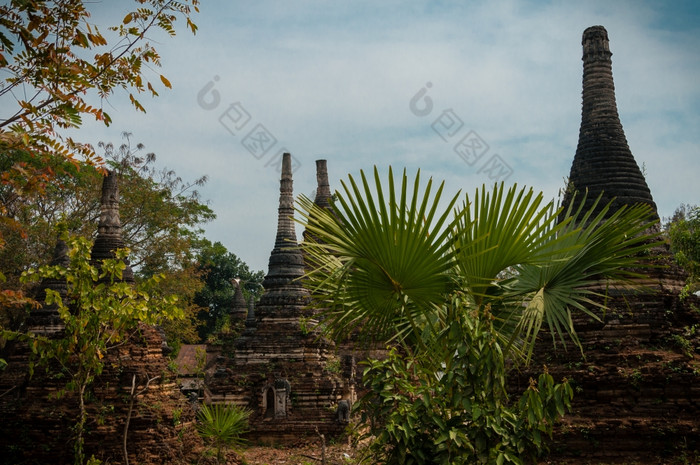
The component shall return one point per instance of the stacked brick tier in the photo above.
(37, 426)
(637, 390)
(280, 367)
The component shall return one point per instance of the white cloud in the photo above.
(335, 79)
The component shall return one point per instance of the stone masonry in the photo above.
(280, 367)
(637, 383)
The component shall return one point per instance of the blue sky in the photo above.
(335, 80)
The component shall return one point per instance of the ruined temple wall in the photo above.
(637, 383)
(37, 425)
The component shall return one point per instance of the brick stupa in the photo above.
(280, 367)
(637, 396)
(603, 162)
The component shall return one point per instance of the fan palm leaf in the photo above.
(588, 256)
(388, 259)
(387, 262)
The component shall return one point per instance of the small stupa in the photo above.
(109, 229)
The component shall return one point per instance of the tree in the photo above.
(60, 67)
(684, 234)
(100, 313)
(451, 405)
(161, 216)
(219, 267)
(389, 263)
(45, 52)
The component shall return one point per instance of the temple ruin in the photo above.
(637, 391)
(37, 427)
(280, 366)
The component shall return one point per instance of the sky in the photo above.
(469, 92)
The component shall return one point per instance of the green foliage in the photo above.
(219, 267)
(57, 62)
(684, 233)
(460, 292)
(394, 258)
(161, 218)
(100, 313)
(451, 406)
(222, 426)
(57, 67)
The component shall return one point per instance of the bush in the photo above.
(222, 426)
(451, 406)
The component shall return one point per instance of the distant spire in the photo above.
(109, 229)
(46, 320)
(323, 189)
(286, 265)
(603, 161)
(239, 308)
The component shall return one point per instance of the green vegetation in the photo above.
(451, 406)
(456, 291)
(58, 67)
(218, 267)
(161, 217)
(100, 313)
(222, 426)
(684, 234)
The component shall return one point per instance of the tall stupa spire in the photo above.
(603, 161)
(323, 187)
(282, 284)
(109, 229)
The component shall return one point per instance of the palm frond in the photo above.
(381, 257)
(588, 255)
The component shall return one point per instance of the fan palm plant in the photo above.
(460, 288)
(386, 263)
(222, 426)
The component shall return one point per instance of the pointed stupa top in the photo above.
(45, 319)
(323, 191)
(239, 308)
(323, 188)
(282, 285)
(603, 161)
(109, 228)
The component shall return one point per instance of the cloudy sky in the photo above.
(341, 81)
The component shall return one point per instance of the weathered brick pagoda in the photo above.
(603, 163)
(638, 387)
(280, 367)
(37, 427)
(109, 229)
